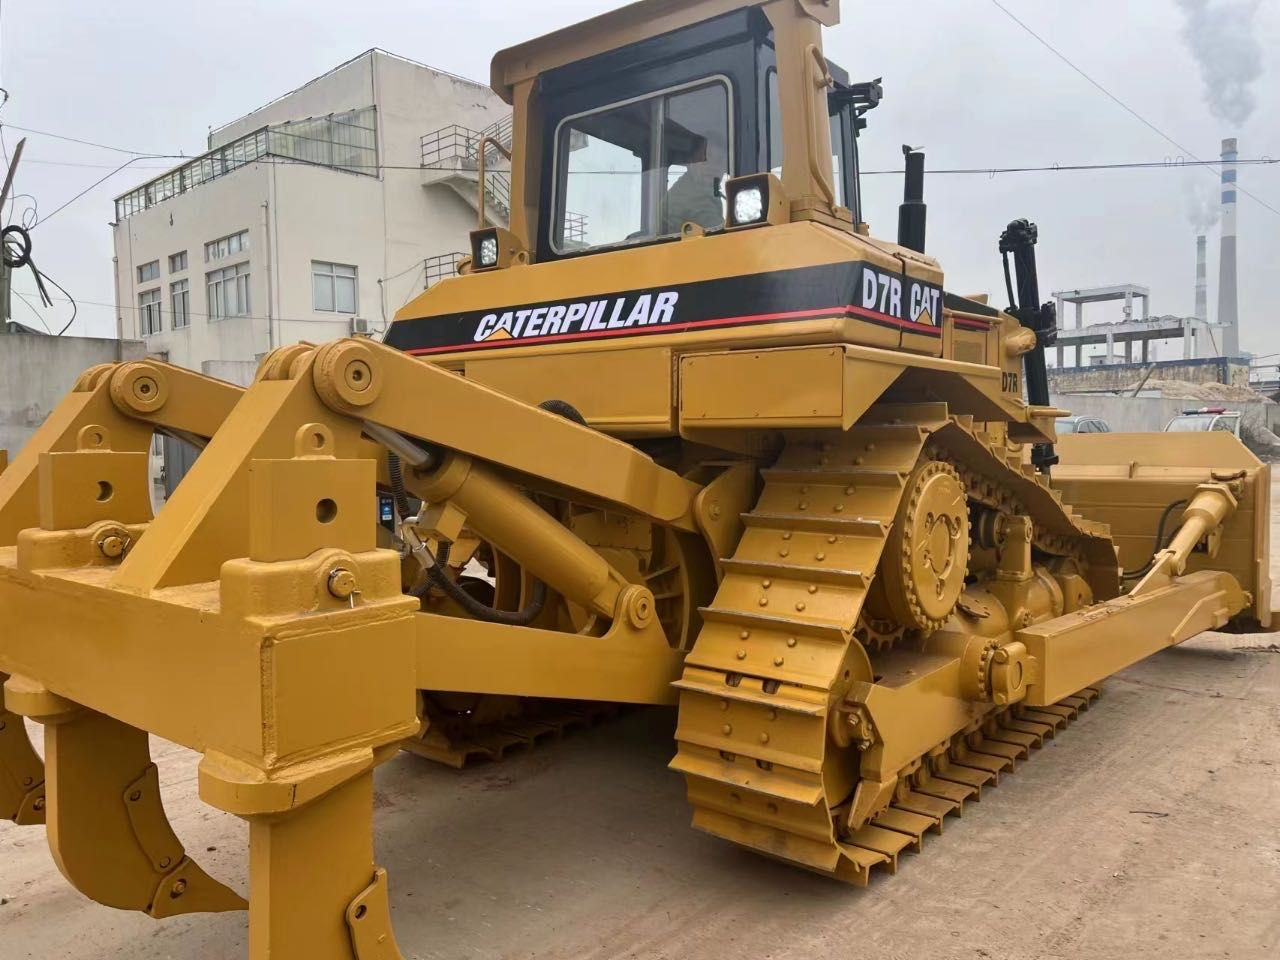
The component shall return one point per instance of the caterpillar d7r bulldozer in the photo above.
(683, 432)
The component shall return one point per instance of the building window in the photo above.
(228, 290)
(177, 262)
(180, 303)
(226, 246)
(149, 271)
(149, 312)
(333, 287)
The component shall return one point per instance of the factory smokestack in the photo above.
(1202, 278)
(1228, 304)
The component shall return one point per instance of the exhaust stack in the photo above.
(1228, 303)
(913, 212)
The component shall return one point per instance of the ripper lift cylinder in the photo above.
(518, 527)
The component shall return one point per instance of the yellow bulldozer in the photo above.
(683, 433)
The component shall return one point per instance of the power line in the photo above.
(91, 186)
(1111, 96)
(1045, 168)
(30, 306)
(191, 313)
(101, 146)
(91, 166)
(1076, 167)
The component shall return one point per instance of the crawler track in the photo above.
(778, 649)
(460, 741)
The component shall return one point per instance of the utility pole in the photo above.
(6, 272)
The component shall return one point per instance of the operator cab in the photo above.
(640, 141)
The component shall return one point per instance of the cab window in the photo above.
(639, 170)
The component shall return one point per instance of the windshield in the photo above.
(640, 170)
(1190, 424)
(1068, 426)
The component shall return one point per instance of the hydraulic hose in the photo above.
(1160, 544)
(437, 571)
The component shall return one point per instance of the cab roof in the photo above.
(621, 28)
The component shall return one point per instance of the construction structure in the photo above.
(1134, 336)
(714, 447)
(306, 219)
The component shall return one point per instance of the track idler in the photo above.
(107, 827)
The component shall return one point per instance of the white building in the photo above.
(317, 215)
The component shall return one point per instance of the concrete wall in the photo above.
(1151, 414)
(1114, 377)
(239, 372)
(36, 372)
(1123, 414)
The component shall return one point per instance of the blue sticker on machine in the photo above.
(858, 290)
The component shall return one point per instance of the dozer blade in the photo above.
(22, 795)
(107, 827)
(1129, 481)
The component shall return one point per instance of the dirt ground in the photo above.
(1151, 828)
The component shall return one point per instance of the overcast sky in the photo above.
(961, 79)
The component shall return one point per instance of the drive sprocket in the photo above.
(925, 561)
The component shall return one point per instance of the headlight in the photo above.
(756, 200)
(489, 252)
(748, 205)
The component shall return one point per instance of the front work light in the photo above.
(493, 248)
(748, 206)
(756, 200)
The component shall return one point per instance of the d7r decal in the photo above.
(857, 290)
(901, 297)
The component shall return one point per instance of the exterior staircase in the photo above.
(451, 158)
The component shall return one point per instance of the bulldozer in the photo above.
(682, 433)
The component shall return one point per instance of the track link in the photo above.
(540, 721)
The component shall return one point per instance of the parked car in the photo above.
(1083, 425)
(1205, 420)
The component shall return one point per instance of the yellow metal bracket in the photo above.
(368, 381)
(107, 829)
(369, 918)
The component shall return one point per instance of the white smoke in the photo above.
(1204, 207)
(1222, 39)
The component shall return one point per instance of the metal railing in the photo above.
(575, 227)
(456, 147)
(440, 267)
(341, 141)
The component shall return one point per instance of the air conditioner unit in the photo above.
(359, 327)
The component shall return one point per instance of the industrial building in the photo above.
(1208, 352)
(1132, 339)
(311, 218)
